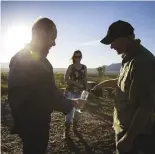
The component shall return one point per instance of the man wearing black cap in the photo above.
(135, 91)
(32, 91)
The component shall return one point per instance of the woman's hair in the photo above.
(75, 52)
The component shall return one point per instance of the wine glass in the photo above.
(82, 100)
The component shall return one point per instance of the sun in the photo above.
(15, 38)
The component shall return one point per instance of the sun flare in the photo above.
(15, 38)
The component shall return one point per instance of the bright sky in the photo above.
(80, 25)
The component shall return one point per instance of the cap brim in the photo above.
(106, 40)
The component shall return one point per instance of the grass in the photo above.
(59, 78)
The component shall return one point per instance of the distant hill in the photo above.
(63, 70)
(111, 69)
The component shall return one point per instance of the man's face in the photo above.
(51, 37)
(120, 45)
(48, 40)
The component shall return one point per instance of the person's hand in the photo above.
(96, 87)
(125, 144)
(75, 102)
(81, 104)
(78, 103)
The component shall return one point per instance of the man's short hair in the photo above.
(45, 24)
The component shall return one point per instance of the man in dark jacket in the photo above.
(32, 91)
(135, 91)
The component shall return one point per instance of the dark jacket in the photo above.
(32, 89)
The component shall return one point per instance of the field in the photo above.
(95, 134)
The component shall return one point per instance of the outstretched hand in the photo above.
(75, 102)
(96, 87)
(78, 103)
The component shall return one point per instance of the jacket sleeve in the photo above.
(60, 102)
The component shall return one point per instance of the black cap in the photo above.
(117, 29)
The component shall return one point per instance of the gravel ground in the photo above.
(94, 136)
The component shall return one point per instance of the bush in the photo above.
(4, 77)
(59, 80)
(4, 84)
(4, 89)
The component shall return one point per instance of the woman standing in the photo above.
(76, 79)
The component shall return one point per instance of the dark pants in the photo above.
(34, 133)
(143, 144)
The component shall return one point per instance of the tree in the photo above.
(101, 71)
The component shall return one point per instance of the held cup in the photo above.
(83, 99)
(84, 95)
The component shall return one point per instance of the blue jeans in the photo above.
(73, 114)
(143, 144)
